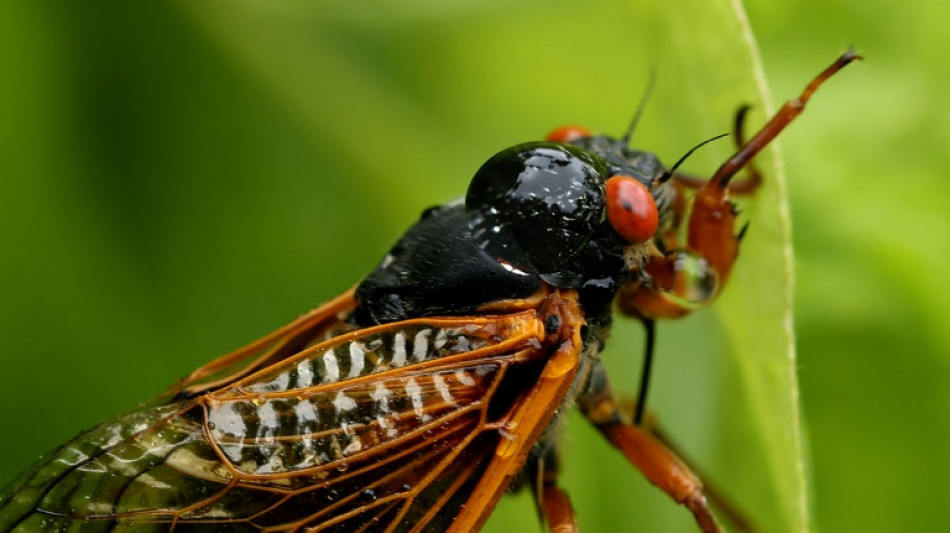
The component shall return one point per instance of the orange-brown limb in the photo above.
(728, 510)
(717, 498)
(557, 509)
(662, 468)
(553, 503)
(773, 127)
(711, 223)
(658, 463)
(692, 277)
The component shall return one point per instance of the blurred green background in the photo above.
(180, 178)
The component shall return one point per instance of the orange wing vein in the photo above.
(400, 427)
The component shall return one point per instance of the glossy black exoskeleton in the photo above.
(533, 213)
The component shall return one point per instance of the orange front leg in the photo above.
(690, 278)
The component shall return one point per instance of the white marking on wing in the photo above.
(226, 421)
(354, 446)
(464, 378)
(308, 455)
(357, 359)
(110, 462)
(306, 414)
(342, 402)
(332, 368)
(274, 464)
(399, 350)
(415, 395)
(233, 452)
(384, 424)
(269, 422)
(335, 448)
(304, 373)
(381, 396)
(280, 382)
(420, 346)
(442, 388)
(440, 339)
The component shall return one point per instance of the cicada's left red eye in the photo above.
(566, 134)
(631, 209)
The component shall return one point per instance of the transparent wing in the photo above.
(153, 432)
(383, 429)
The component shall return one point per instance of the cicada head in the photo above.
(581, 213)
(577, 215)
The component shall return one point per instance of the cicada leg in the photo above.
(733, 516)
(680, 281)
(553, 503)
(737, 520)
(557, 509)
(661, 466)
(689, 278)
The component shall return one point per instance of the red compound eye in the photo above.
(631, 210)
(566, 134)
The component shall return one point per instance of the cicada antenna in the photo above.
(647, 91)
(669, 173)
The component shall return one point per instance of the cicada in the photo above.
(413, 401)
